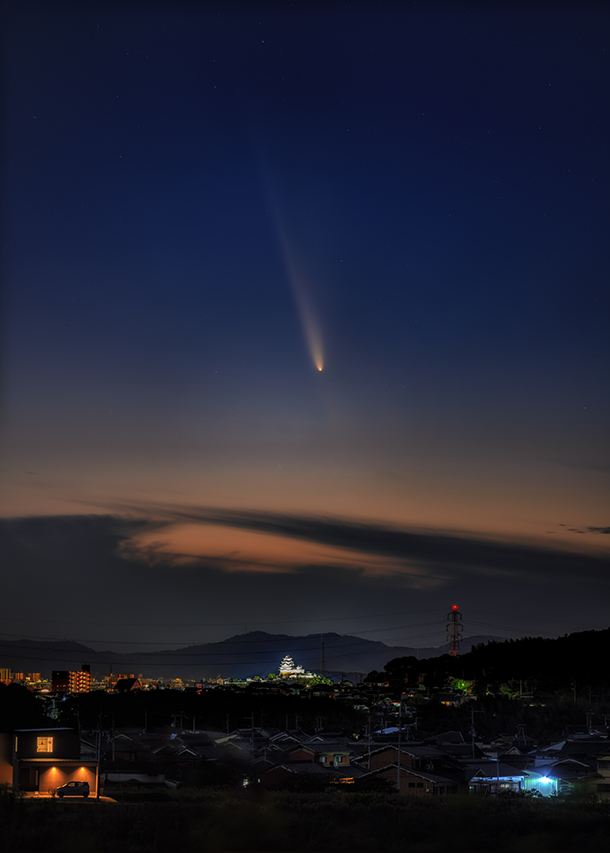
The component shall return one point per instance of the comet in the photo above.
(299, 284)
(301, 291)
(309, 322)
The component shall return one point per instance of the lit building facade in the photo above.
(71, 681)
(38, 761)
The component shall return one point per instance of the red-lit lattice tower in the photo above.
(454, 630)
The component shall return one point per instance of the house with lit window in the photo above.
(38, 761)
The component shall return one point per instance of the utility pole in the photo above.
(99, 755)
(322, 658)
(472, 729)
(399, 746)
(251, 718)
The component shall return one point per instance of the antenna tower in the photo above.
(454, 630)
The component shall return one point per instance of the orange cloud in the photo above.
(232, 550)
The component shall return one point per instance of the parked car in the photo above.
(74, 789)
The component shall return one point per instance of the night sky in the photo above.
(305, 316)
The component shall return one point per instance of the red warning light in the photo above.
(454, 607)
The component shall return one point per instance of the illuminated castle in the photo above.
(288, 669)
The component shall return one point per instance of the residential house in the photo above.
(417, 782)
(38, 761)
(602, 783)
(493, 777)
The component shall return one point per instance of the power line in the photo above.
(222, 624)
(133, 664)
(535, 619)
(512, 628)
(229, 642)
(333, 650)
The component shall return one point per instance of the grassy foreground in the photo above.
(220, 820)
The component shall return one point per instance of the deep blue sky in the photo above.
(194, 192)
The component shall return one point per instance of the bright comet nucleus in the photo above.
(309, 321)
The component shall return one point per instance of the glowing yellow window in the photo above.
(44, 744)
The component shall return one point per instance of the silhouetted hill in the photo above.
(580, 658)
(43, 656)
(241, 656)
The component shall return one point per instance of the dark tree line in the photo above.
(572, 663)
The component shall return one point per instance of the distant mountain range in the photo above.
(241, 656)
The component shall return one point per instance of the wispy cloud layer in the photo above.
(210, 566)
(374, 548)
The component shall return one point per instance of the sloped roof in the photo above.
(553, 747)
(284, 737)
(435, 778)
(490, 770)
(520, 762)
(332, 746)
(461, 750)
(419, 751)
(447, 737)
(48, 729)
(308, 768)
(77, 762)
(568, 770)
(590, 748)
(569, 762)
(127, 684)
